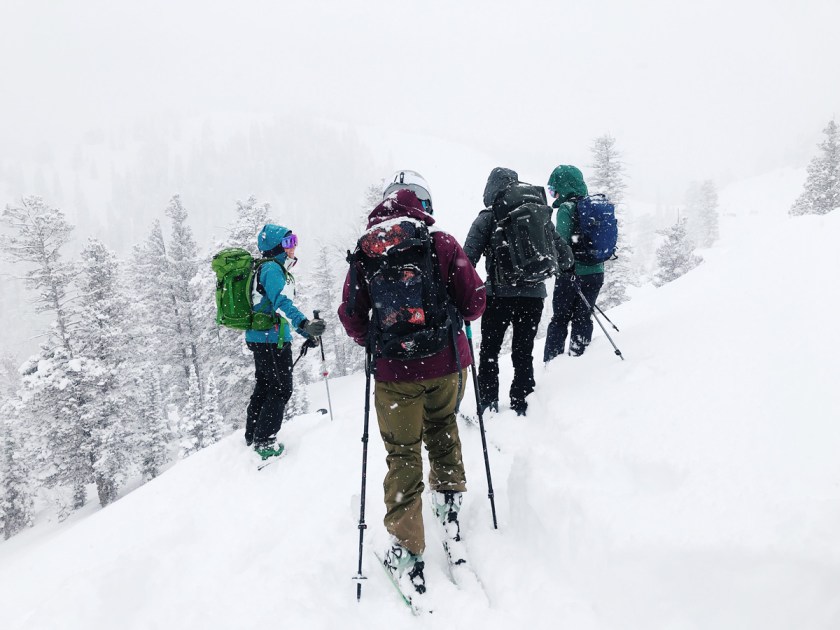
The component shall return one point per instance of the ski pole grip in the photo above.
(315, 312)
(469, 330)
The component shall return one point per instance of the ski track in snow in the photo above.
(694, 485)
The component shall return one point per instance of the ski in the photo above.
(462, 575)
(412, 604)
(268, 462)
(461, 572)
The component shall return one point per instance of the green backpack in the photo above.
(236, 270)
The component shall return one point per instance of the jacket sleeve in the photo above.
(564, 222)
(565, 257)
(273, 281)
(478, 238)
(355, 324)
(463, 283)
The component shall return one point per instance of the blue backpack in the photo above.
(595, 230)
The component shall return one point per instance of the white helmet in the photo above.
(413, 181)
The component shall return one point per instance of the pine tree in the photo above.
(299, 401)
(16, 485)
(101, 340)
(250, 218)
(822, 186)
(39, 234)
(152, 436)
(54, 393)
(702, 213)
(192, 429)
(183, 254)
(676, 255)
(9, 375)
(212, 419)
(156, 306)
(608, 179)
(607, 169)
(327, 299)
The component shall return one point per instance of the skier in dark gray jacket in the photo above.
(519, 305)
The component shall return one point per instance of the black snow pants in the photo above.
(524, 314)
(568, 307)
(272, 391)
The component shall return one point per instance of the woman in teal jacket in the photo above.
(272, 348)
(566, 185)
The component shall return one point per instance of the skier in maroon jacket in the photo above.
(416, 398)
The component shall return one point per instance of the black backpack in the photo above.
(413, 316)
(523, 236)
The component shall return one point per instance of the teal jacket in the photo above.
(567, 182)
(278, 285)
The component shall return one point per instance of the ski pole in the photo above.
(591, 310)
(324, 371)
(605, 317)
(480, 411)
(362, 526)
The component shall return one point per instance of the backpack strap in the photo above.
(352, 259)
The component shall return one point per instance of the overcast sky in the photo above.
(722, 89)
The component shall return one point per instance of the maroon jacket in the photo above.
(462, 283)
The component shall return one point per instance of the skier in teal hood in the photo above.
(566, 185)
(275, 286)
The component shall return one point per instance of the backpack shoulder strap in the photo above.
(352, 260)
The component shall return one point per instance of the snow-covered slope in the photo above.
(694, 485)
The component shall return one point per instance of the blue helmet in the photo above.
(270, 238)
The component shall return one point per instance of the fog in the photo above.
(108, 108)
(720, 89)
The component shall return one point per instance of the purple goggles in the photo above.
(289, 241)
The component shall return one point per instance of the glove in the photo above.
(312, 342)
(314, 328)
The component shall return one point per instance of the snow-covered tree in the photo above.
(251, 216)
(702, 213)
(54, 391)
(608, 178)
(212, 420)
(16, 485)
(327, 297)
(676, 255)
(157, 314)
(9, 375)
(299, 401)
(152, 434)
(183, 254)
(822, 186)
(607, 167)
(101, 339)
(39, 233)
(193, 431)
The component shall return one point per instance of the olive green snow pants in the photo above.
(408, 412)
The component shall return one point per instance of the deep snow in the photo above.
(694, 485)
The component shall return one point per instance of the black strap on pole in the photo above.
(592, 311)
(303, 350)
(362, 526)
(480, 411)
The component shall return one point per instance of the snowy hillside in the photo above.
(694, 485)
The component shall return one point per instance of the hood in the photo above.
(270, 237)
(567, 181)
(499, 179)
(402, 203)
